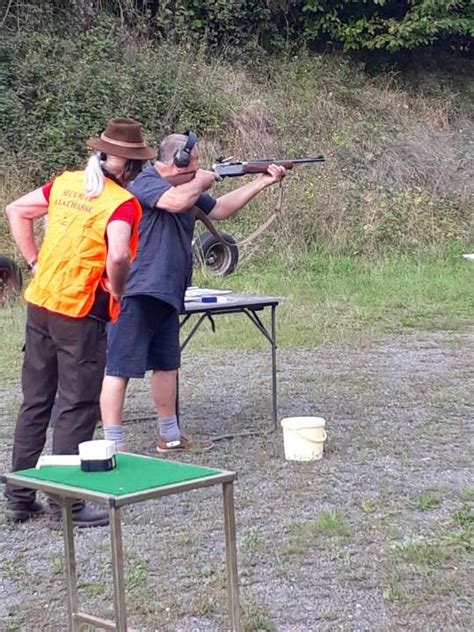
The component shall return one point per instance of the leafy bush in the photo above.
(51, 108)
(252, 26)
(393, 25)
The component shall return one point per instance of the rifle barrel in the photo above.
(313, 159)
(296, 161)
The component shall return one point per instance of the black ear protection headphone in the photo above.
(182, 156)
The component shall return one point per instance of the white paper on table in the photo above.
(195, 293)
(58, 459)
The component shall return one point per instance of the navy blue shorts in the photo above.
(145, 337)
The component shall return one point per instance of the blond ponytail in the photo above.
(94, 178)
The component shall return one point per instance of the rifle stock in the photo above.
(261, 166)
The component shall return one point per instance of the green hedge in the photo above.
(271, 25)
(60, 91)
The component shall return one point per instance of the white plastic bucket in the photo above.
(303, 438)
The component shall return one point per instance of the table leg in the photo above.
(274, 369)
(177, 397)
(117, 569)
(231, 556)
(271, 337)
(70, 559)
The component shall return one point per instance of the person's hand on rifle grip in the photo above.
(275, 173)
(205, 178)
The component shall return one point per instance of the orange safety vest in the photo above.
(71, 260)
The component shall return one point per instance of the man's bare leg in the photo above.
(163, 390)
(169, 437)
(112, 400)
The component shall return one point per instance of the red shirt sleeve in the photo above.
(126, 212)
(47, 190)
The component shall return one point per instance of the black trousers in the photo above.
(63, 356)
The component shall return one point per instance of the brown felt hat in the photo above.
(123, 137)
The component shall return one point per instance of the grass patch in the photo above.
(427, 500)
(421, 552)
(255, 617)
(368, 505)
(12, 333)
(328, 531)
(14, 623)
(187, 541)
(253, 544)
(138, 591)
(460, 532)
(205, 605)
(56, 564)
(137, 576)
(15, 568)
(331, 524)
(208, 573)
(453, 540)
(426, 570)
(468, 494)
(326, 299)
(93, 589)
(395, 589)
(211, 593)
(330, 299)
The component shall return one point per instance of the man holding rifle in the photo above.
(146, 336)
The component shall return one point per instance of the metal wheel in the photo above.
(219, 259)
(10, 279)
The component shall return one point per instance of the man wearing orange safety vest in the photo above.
(79, 276)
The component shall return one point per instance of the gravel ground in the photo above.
(375, 536)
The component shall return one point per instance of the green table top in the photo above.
(132, 474)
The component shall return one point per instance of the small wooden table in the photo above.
(135, 479)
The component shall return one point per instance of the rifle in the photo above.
(224, 168)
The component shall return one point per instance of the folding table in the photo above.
(134, 479)
(234, 303)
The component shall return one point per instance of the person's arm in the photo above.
(21, 214)
(230, 204)
(183, 197)
(117, 263)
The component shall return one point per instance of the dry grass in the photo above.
(398, 160)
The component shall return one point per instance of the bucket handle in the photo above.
(310, 440)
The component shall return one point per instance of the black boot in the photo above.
(21, 512)
(83, 515)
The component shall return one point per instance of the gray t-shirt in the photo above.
(163, 265)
